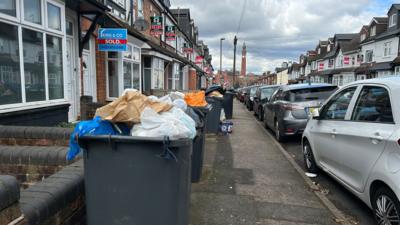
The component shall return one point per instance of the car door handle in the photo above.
(376, 139)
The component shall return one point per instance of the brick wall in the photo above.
(101, 75)
(34, 136)
(9, 207)
(150, 9)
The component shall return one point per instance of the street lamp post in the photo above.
(220, 56)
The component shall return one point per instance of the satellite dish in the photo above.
(141, 24)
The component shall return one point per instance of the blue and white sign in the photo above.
(113, 39)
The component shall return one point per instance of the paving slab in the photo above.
(247, 180)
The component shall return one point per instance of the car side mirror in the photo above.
(315, 114)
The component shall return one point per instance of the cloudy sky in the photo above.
(276, 30)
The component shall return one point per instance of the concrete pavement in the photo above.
(247, 180)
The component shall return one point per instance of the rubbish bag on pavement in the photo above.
(128, 107)
(94, 127)
(175, 124)
(196, 99)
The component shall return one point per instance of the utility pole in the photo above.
(234, 60)
(220, 56)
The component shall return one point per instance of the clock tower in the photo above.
(244, 61)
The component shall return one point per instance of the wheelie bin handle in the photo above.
(167, 153)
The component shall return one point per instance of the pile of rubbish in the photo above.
(144, 116)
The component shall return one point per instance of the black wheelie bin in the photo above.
(136, 180)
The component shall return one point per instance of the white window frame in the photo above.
(62, 14)
(392, 21)
(158, 69)
(120, 59)
(363, 37)
(131, 61)
(43, 13)
(397, 71)
(17, 13)
(20, 23)
(373, 31)
(387, 49)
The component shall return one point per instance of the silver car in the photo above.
(355, 137)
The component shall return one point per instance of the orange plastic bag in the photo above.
(196, 99)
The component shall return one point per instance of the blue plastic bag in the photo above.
(93, 127)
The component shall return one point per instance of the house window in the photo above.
(373, 31)
(123, 70)
(140, 8)
(53, 16)
(363, 37)
(33, 11)
(387, 49)
(360, 58)
(353, 60)
(319, 51)
(397, 71)
(158, 73)
(392, 21)
(8, 7)
(369, 56)
(340, 61)
(10, 75)
(131, 68)
(331, 62)
(31, 70)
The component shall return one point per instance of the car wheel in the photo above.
(309, 160)
(278, 134)
(386, 207)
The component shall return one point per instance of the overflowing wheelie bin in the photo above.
(137, 180)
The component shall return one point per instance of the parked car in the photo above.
(288, 110)
(240, 94)
(263, 94)
(250, 97)
(246, 94)
(356, 139)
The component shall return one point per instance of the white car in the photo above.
(355, 137)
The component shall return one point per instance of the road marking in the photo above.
(339, 215)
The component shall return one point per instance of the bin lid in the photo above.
(131, 139)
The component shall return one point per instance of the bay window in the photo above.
(31, 52)
(123, 71)
(8, 7)
(158, 73)
(131, 68)
(53, 16)
(54, 67)
(10, 75)
(35, 87)
(33, 11)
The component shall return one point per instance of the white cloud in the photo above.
(276, 30)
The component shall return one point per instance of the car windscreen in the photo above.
(309, 94)
(267, 92)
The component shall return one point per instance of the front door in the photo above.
(72, 79)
